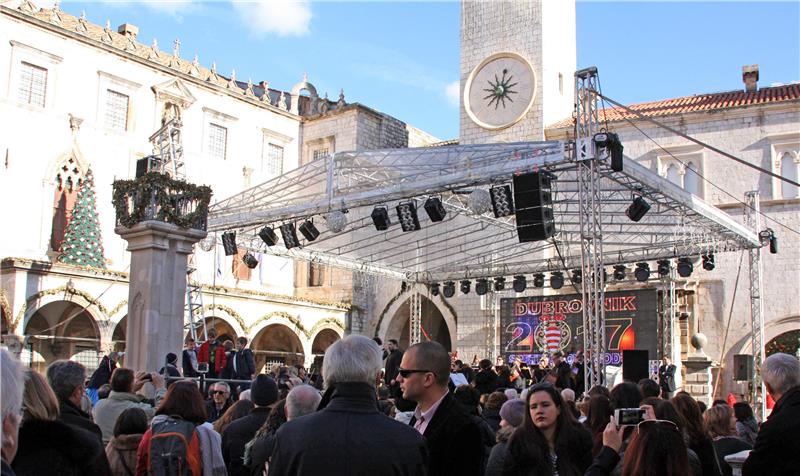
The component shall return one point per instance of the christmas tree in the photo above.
(82, 243)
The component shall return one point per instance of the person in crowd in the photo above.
(503, 377)
(11, 378)
(542, 369)
(625, 395)
(189, 359)
(597, 419)
(241, 364)
(49, 446)
(777, 446)
(578, 373)
(66, 378)
(512, 414)
(721, 424)
(491, 412)
(238, 410)
(393, 358)
(465, 369)
(599, 390)
(220, 401)
(568, 396)
(349, 435)
(746, 424)
(104, 391)
(470, 400)
(244, 394)
(486, 378)
(226, 370)
(563, 372)
(301, 400)
(699, 440)
(263, 394)
(454, 439)
(660, 409)
(649, 388)
(511, 393)
(128, 432)
(212, 353)
(124, 386)
(102, 374)
(379, 341)
(549, 441)
(170, 368)
(666, 378)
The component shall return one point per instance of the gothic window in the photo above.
(272, 159)
(116, 110)
(674, 175)
(691, 180)
(67, 180)
(32, 84)
(217, 141)
(684, 170)
(316, 273)
(788, 169)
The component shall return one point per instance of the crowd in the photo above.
(380, 412)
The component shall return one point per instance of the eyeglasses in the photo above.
(405, 373)
(669, 424)
(219, 392)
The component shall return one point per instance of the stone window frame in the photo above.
(24, 54)
(682, 158)
(315, 275)
(272, 138)
(779, 146)
(218, 119)
(110, 83)
(314, 146)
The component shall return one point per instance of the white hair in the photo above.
(245, 395)
(781, 372)
(511, 393)
(355, 358)
(568, 395)
(12, 379)
(302, 400)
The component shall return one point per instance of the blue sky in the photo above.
(403, 57)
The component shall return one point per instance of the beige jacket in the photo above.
(121, 452)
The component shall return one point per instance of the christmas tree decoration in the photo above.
(83, 245)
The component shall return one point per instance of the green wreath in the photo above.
(156, 196)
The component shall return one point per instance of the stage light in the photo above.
(479, 201)
(556, 279)
(499, 283)
(538, 280)
(642, 272)
(520, 283)
(481, 286)
(615, 148)
(229, 243)
(289, 235)
(619, 272)
(685, 267)
(308, 230)
(708, 262)
(502, 202)
(268, 236)
(663, 267)
(250, 260)
(407, 213)
(434, 287)
(335, 220)
(380, 217)
(449, 289)
(435, 209)
(577, 276)
(465, 285)
(638, 209)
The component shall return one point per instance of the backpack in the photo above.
(174, 448)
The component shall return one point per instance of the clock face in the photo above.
(500, 90)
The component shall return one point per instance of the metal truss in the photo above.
(668, 308)
(168, 150)
(415, 317)
(753, 221)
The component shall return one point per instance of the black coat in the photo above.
(564, 375)
(72, 415)
(455, 444)
(103, 373)
(186, 363)
(666, 378)
(348, 437)
(485, 381)
(238, 434)
(57, 449)
(392, 365)
(241, 365)
(777, 447)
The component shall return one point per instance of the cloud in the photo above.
(280, 17)
(453, 93)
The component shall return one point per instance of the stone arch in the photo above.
(233, 320)
(395, 323)
(772, 330)
(5, 314)
(119, 334)
(64, 329)
(323, 339)
(276, 342)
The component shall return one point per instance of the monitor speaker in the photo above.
(635, 365)
(742, 367)
(533, 202)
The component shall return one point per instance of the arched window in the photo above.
(789, 171)
(692, 181)
(68, 178)
(673, 175)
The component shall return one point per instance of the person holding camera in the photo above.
(124, 385)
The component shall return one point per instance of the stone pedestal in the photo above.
(736, 460)
(699, 382)
(157, 291)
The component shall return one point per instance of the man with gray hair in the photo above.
(67, 378)
(777, 447)
(349, 435)
(302, 400)
(11, 402)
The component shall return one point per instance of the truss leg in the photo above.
(753, 221)
(415, 325)
(669, 305)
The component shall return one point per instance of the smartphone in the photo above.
(147, 378)
(628, 416)
(202, 367)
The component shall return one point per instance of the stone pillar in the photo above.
(699, 382)
(157, 291)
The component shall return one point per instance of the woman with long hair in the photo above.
(596, 420)
(699, 440)
(550, 440)
(746, 424)
(721, 424)
(121, 450)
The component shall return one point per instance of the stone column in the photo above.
(157, 291)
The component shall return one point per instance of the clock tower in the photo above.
(517, 66)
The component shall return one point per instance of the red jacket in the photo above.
(204, 354)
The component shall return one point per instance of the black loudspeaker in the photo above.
(533, 202)
(742, 367)
(635, 365)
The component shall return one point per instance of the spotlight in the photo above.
(335, 220)
(289, 235)
(407, 213)
(520, 283)
(619, 272)
(268, 236)
(434, 287)
(308, 230)
(577, 276)
(499, 283)
(638, 209)
(502, 203)
(435, 209)
(449, 289)
(773, 243)
(708, 262)
(250, 260)
(465, 284)
(642, 272)
(380, 217)
(663, 267)
(229, 243)
(538, 280)
(481, 286)
(615, 148)
(479, 201)
(685, 267)
(556, 279)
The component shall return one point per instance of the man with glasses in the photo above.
(454, 440)
(66, 378)
(220, 401)
(392, 363)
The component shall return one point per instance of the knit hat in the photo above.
(172, 358)
(513, 411)
(263, 391)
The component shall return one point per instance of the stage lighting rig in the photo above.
(449, 289)
(619, 272)
(663, 267)
(435, 209)
(464, 286)
(434, 287)
(289, 235)
(520, 283)
(380, 218)
(268, 236)
(577, 276)
(685, 267)
(481, 286)
(642, 272)
(308, 230)
(499, 283)
(708, 262)
(637, 209)
(229, 243)
(538, 280)
(556, 280)
(407, 214)
(249, 260)
(502, 201)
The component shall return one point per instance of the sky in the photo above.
(402, 58)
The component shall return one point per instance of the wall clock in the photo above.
(500, 91)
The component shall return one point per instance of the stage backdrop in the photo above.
(532, 326)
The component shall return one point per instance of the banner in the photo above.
(537, 325)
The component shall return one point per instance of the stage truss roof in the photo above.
(466, 245)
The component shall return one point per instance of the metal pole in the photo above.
(415, 318)
(753, 221)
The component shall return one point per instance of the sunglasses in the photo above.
(659, 422)
(219, 392)
(405, 373)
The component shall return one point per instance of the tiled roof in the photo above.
(698, 103)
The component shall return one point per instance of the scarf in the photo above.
(211, 451)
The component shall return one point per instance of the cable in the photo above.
(728, 325)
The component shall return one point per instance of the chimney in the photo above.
(750, 78)
(128, 30)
